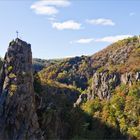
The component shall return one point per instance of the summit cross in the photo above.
(17, 33)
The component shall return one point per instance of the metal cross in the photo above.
(17, 33)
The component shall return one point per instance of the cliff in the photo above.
(18, 118)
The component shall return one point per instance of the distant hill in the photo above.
(39, 64)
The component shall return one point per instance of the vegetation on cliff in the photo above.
(121, 112)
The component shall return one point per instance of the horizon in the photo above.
(58, 29)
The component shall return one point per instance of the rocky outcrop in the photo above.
(130, 78)
(18, 118)
(104, 83)
(82, 98)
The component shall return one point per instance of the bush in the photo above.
(92, 106)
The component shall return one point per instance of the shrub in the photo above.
(92, 106)
(10, 68)
(12, 75)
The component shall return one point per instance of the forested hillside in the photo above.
(108, 87)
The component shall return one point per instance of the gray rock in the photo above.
(18, 118)
(103, 84)
(82, 98)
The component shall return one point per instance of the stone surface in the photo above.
(82, 98)
(104, 83)
(18, 118)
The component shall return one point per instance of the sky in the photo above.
(67, 28)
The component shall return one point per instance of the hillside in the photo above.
(39, 64)
(121, 57)
(108, 82)
(82, 98)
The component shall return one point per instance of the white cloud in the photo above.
(52, 19)
(111, 39)
(132, 14)
(107, 39)
(70, 24)
(49, 7)
(45, 10)
(83, 41)
(101, 21)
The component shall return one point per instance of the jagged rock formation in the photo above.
(104, 83)
(18, 119)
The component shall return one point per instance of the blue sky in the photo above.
(65, 28)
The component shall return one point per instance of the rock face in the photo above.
(104, 83)
(18, 119)
(82, 98)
